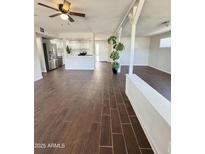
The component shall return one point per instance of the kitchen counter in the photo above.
(75, 62)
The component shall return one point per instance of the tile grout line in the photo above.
(135, 137)
(111, 123)
(132, 127)
(125, 108)
(121, 127)
(105, 146)
(111, 132)
(117, 133)
(146, 148)
(125, 123)
(101, 120)
(132, 115)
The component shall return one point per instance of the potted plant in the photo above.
(68, 49)
(116, 48)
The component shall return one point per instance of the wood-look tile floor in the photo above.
(88, 112)
(157, 79)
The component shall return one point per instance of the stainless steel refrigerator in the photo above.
(50, 54)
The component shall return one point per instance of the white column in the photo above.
(132, 48)
(119, 34)
(119, 39)
(134, 19)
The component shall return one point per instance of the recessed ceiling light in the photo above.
(64, 16)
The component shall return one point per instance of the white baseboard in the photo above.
(159, 69)
(38, 78)
(149, 66)
(83, 69)
(135, 65)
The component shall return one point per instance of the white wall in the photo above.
(80, 45)
(160, 58)
(101, 50)
(80, 37)
(37, 66)
(41, 53)
(141, 51)
(46, 33)
(153, 112)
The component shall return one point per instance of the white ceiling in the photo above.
(102, 16)
(154, 12)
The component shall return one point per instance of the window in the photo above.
(165, 42)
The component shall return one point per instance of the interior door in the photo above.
(102, 52)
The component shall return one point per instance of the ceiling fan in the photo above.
(64, 11)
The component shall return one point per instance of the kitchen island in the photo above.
(76, 62)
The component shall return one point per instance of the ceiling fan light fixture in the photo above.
(66, 6)
(64, 16)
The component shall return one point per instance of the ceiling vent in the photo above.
(41, 29)
(165, 23)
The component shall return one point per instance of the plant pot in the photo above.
(114, 71)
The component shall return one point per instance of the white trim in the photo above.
(126, 15)
(159, 102)
(132, 46)
(160, 69)
(149, 66)
(119, 39)
(135, 65)
(134, 19)
(137, 12)
(78, 69)
(153, 112)
(38, 78)
(159, 31)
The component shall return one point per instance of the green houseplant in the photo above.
(116, 48)
(68, 49)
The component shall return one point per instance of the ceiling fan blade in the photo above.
(70, 19)
(54, 15)
(47, 6)
(77, 14)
